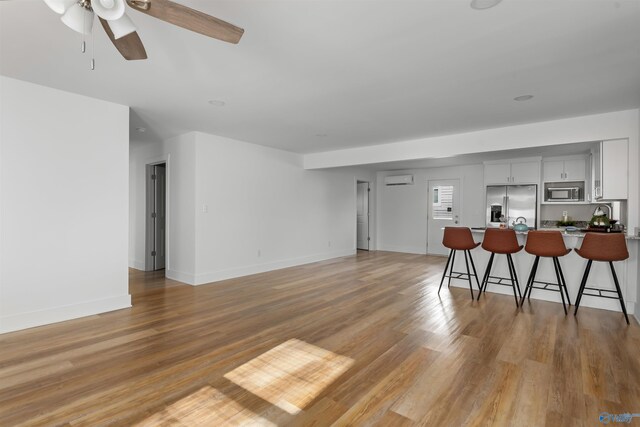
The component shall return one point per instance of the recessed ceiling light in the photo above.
(217, 103)
(141, 129)
(484, 4)
(523, 98)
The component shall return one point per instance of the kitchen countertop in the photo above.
(561, 230)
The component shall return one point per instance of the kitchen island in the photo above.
(573, 268)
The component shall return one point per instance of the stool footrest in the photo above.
(499, 281)
(546, 286)
(458, 275)
(600, 291)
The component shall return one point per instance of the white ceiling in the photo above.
(359, 72)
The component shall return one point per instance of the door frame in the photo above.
(460, 180)
(148, 260)
(360, 181)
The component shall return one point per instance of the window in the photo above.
(443, 202)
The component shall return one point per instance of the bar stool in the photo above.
(459, 239)
(501, 241)
(546, 244)
(604, 248)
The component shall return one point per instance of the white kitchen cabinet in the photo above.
(611, 170)
(556, 170)
(575, 169)
(525, 172)
(517, 171)
(497, 173)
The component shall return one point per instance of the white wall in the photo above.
(402, 210)
(63, 205)
(257, 199)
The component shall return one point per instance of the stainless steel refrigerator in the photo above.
(511, 202)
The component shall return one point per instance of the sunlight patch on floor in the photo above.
(205, 407)
(290, 375)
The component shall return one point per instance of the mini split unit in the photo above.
(399, 180)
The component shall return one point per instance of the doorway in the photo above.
(362, 215)
(444, 211)
(156, 201)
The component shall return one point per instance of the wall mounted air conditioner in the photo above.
(398, 180)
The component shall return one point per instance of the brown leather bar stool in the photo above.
(501, 241)
(459, 239)
(604, 248)
(546, 244)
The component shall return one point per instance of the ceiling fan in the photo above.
(79, 15)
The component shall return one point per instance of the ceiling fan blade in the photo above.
(188, 18)
(129, 46)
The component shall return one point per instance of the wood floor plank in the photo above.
(408, 355)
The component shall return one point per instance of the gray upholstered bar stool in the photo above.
(501, 241)
(605, 248)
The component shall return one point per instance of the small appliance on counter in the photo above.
(521, 224)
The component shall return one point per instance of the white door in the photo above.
(444, 211)
(362, 201)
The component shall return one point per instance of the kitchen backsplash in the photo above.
(553, 223)
(581, 214)
(575, 212)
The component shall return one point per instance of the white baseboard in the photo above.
(188, 278)
(405, 249)
(138, 265)
(31, 319)
(217, 276)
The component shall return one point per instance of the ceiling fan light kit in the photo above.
(79, 14)
(60, 6)
(108, 9)
(78, 18)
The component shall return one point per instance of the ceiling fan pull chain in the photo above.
(93, 51)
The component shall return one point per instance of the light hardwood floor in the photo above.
(353, 341)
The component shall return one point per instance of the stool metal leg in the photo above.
(466, 261)
(446, 267)
(582, 285)
(513, 281)
(555, 267)
(515, 274)
(532, 278)
(485, 278)
(615, 280)
(475, 273)
(453, 261)
(564, 283)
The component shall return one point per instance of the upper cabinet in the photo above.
(610, 170)
(557, 170)
(516, 171)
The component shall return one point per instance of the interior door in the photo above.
(444, 211)
(160, 219)
(155, 256)
(362, 201)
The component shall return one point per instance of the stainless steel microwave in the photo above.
(564, 194)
